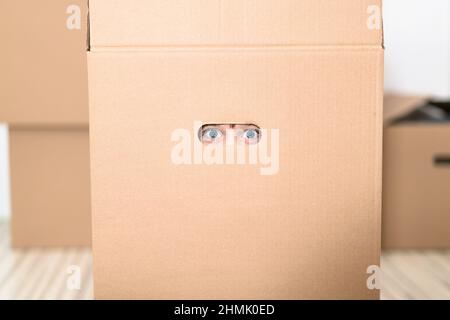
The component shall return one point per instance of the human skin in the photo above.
(217, 133)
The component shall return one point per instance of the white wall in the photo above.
(4, 174)
(417, 40)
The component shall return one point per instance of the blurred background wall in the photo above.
(417, 40)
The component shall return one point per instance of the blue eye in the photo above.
(252, 136)
(211, 135)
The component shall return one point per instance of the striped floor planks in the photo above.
(417, 275)
(42, 274)
(46, 274)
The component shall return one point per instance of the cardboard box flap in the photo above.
(142, 23)
(396, 106)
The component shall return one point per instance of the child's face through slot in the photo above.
(217, 133)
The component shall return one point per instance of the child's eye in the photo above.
(251, 136)
(211, 135)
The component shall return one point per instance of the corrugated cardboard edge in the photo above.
(382, 27)
(88, 30)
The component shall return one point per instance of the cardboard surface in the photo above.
(416, 210)
(50, 187)
(162, 231)
(142, 23)
(43, 62)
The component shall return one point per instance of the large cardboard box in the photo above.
(43, 65)
(43, 97)
(305, 223)
(416, 208)
(50, 187)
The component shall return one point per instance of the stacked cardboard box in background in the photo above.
(416, 181)
(416, 178)
(43, 98)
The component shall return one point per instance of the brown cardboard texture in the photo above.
(43, 62)
(50, 187)
(309, 228)
(416, 210)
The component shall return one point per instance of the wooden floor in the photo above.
(44, 273)
(416, 275)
